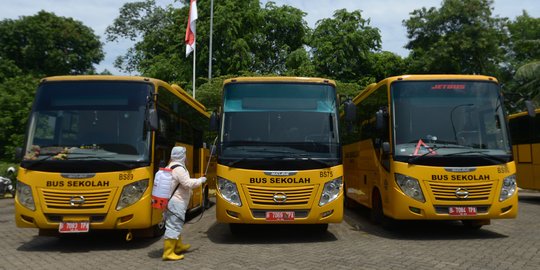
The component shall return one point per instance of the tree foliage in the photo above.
(460, 37)
(16, 96)
(32, 47)
(525, 39)
(341, 46)
(45, 44)
(246, 37)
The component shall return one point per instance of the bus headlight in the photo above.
(410, 186)
(508, 187)
(229, 191)
(132, 193)
(24, 195)
(330, 191)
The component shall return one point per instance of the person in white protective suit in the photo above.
(177, 206)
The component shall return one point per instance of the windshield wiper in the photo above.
(127, 165)
(482, 154)
(430, 151)
(302, 157)
(236, 161)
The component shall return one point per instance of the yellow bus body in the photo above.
(363, 178)
(259, 188)
(526, 149)
(57, 195)
(366, 179)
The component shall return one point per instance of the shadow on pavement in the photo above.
(358, 217)
(97, 240)
(268, 234)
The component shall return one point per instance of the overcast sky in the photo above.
(387, 15)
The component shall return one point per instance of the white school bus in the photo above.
(433, 147)
(279, 154)
(93, 146)
(525, 131)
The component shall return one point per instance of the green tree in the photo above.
(461, 36)
(282, 31)
(246, 37)
(45, 44)
(298, 63)
(526, 86)
(525, 38)
(386, 64)
(16, 96)
(342, 46)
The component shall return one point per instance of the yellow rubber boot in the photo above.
(181, 247)
(168, 251)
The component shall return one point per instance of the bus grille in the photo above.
(295, 195)
(95, 199)
(447, 192)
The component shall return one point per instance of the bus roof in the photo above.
(174, 88)
(280, 79)
(421, 77)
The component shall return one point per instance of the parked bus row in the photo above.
(433, 147)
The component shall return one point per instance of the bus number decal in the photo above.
(125, 176)
(325, 174)
(502, 169)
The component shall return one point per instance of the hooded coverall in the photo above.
(177, 206)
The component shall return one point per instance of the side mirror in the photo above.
(386, 147)
(530, 108)
(213, 149)
(214, 121)
(379, 120)
(153, 123)
(19, 153)
(350, 111)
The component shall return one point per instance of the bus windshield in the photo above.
(279, 120)
(448, 118)
(89, 120)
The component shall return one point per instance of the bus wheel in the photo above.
(472, 225)
(347, 202)
(377, 213)
(159, 229)
(320, 228)
(206, 199)
(236, 229)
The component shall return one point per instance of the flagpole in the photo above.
(194, 57)
(210, 45)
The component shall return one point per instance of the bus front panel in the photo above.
(452, 193)
(109, 200)
(300, 197)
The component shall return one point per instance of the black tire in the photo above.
(158, 229)
(377, 213)
(471, 225)
(320, 228)
(206, 199)
(236, 229)
(346, 201)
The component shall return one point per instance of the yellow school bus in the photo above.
(433, 147)
(525, 131)
(93, 146)
(279, 155)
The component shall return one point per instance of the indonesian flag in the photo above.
(190, 30)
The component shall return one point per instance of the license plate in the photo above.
(74, 227)
(462, 211)
(280, 216)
